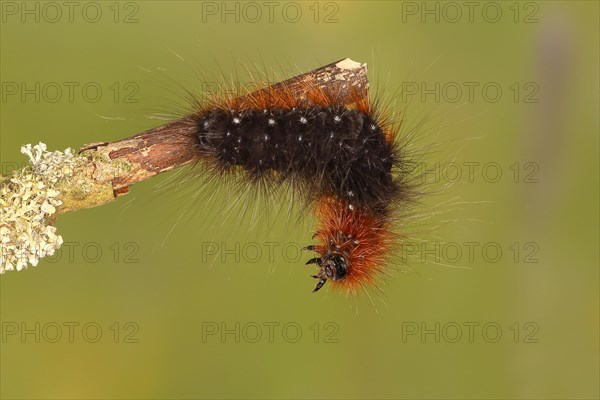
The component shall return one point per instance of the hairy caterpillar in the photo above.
(343, 158)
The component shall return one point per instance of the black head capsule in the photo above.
(333, 267)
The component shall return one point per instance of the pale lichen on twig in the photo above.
(28, 202)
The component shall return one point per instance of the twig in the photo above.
(172, 145)
(59, 182)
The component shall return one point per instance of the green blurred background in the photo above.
(159, 286)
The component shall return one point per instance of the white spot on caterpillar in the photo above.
(303, 120)
(236, 121)
(299, 138)
(206, 124)
(373, 127)
(271, 121)
(337, 118)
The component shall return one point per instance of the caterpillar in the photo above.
(343, 158)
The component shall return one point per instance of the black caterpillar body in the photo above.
(334, 150)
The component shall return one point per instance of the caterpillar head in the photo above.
(333, 267)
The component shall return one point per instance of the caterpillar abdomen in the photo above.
(336, 151)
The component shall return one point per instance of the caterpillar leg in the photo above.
(319, 284)
(331, 267)
(316, 260)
